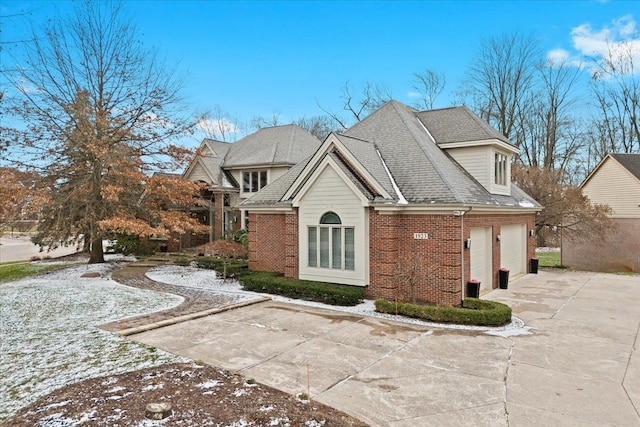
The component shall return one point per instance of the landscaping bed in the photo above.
(473, 312)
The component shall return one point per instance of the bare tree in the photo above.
(546, 133)
(100, 115)
(616, 90)
(501, 78)
(318, 126)
(259, 122)
(566, 209)
(429, 85)
(359, 103)
(219, 125)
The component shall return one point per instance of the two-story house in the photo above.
(233, 172)
(409, 204)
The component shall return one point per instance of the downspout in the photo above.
(462, 249)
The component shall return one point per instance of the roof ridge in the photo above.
(428, 155)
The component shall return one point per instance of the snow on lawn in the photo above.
(49, 335)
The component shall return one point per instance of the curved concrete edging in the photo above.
(191, 316)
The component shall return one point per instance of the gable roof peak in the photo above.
(630, 161)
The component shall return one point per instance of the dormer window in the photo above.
(500, 169)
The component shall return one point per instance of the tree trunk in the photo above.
(97, 254)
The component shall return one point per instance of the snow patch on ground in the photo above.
(206, 279)
(49, 334)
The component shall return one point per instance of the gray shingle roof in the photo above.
(423, 172)
(458, 124)
(287, 145)
(631, 162)
(275, 190)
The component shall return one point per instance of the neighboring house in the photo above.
(410, 204)
(235, 171)
(614, 182)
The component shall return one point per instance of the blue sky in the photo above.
(254, 58)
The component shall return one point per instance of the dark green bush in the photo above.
(473, 312)
(234, 267)
(241, 236)
(275, 283)
(183, 261)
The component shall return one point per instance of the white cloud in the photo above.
(412, 94)
(217, 127)
(619, 42)
(558, 56)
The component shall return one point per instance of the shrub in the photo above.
(233, 268)
(182, 261)
(328, 293)
(242, 237)
(130, 245)
(474, 311)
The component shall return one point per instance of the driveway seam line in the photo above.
(626, 371)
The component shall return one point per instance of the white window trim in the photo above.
(260, 183)
(343, 247)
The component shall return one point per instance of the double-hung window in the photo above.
(331, 245)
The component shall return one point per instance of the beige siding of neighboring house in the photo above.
(330, 193)
(475, 161)
(613, 185)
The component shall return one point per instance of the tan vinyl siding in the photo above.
(198, 173)
(475, 160)
(329, 193)
(277, 172)
(495, 188)
(613, 185)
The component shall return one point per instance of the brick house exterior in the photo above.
(392, 205)
(234, 171)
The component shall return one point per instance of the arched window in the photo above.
(331, 245)
(330, 218)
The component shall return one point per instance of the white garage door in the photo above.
(513, 250)
(481, 256)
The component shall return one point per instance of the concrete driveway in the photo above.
(574, 364)
(20, 248)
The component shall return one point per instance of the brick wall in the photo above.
(291, 243)
(429, 270)
(619, 251)
(268, 242)
(408, 269)
(422, 270)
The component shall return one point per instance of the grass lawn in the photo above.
(548, 259)
(19, 270)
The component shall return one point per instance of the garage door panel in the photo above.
(513, 249)
(481, 256)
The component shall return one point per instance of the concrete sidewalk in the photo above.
(577, 364)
